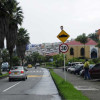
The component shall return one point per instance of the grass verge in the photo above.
(4, 75)
(66, 89)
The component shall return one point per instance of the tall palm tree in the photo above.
(83, 39)
(22, 41)
(10, 17)
(4, 23)
(16, 18)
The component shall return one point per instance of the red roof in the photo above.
(90, 42)
(51, 54)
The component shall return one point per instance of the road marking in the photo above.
(11, 87)
(85, 88)
(38, 76)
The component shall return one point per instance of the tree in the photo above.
(83, 39)
(10, 17)
(94, 36)
(22, 41)
(5, 55)
(16, 18)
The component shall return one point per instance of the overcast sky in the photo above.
(43, 18)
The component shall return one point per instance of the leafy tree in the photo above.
(93, 36)
(83, 39)
(15, 60)
(5, 55)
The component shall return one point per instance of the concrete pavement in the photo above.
(90, 88)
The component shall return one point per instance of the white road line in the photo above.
(11, 87)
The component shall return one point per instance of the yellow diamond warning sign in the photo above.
(63, 36)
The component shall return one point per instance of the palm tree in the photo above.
(4, 23)
(10, 17)
(22, 41)
(83, 39)
(16, 19)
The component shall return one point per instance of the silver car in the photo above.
(17, 72)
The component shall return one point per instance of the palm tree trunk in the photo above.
(10, 60)
(0, 63)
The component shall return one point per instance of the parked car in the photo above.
(17, 72)
(69, 66)
(82, 71)
(71, 69)
(5, 66)
(78, 69)
(72, 64)
(95, 71)
(37, 64)
(29, 66)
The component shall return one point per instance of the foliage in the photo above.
(22, 41)
(59, 60)
(34, 58)
(4, 75)
(82, 38)
(5, 55)
(93, 36)
(66, 89)
(76, 60)
(98, 44)
(10, 17)
(15, 60)
(96, 61)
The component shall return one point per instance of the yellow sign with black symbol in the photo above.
(63, 36)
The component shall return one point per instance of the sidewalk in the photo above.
(90, 88)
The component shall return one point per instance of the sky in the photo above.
(43, 18)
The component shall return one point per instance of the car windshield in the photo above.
(17, 68)
(91, 66)
(4, 64)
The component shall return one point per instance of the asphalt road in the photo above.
(90, 88)
(38, 86)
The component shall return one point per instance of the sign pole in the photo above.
(64, 68)
(63, 36)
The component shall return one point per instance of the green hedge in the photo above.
(66, 89)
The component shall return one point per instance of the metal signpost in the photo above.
(64, 48)
(63, 36)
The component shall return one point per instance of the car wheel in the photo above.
(24, 79)
(10, 79)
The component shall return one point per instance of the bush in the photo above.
(15, 61)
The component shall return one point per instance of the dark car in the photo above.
(82, 71)
(78, 69)
(95, 71)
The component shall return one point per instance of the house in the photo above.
(77, 49)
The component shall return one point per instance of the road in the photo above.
(38, 86)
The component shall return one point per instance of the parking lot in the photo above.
(90, 88)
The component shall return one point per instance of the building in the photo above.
(77, 49)
(45, 49)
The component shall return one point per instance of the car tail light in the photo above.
(9, 72)
(22, 71)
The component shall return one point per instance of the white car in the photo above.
(17, 72)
